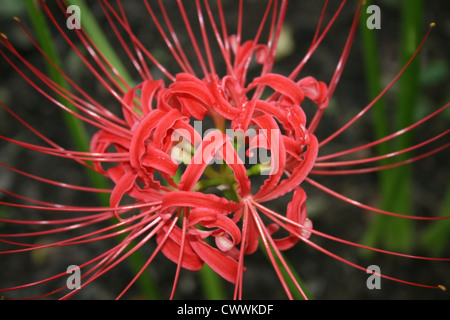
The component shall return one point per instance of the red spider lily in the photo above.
(135, 149)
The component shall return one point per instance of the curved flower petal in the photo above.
(198, 200)
(315, 90)
(244, 116)
(206, 151)
(298, 175)
(210, 147)
(232, 159)
(212, 219)
(296, 212)
(167, 122)
(158, 160)
(271, 109)
(129, 115)
(139, 144)
(150, 89)
(100, 143)
(189, 94)
(172, 247)
(221, 263)
(123, 186)
(282, 85)
(275, 144)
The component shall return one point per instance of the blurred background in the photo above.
(324, 277)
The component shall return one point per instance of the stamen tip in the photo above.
(3, 36)
(432, 25)
(17, 19)
(443, 288)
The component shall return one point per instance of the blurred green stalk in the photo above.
(284, 273)
(436, 238)
(395, 234)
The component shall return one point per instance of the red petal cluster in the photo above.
(149, 174)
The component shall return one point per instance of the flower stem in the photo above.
(396, 184)
(212, 284)
(401, 230)
(436, 237)
(292, 287)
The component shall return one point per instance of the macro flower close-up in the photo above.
(224, 149)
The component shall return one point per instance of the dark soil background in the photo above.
(323, 276)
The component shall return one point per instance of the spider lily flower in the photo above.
(193, 194)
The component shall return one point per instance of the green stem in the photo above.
(212, 284)
(373, 79)
(436, 237)
(290, 283)
(396, 184)
(401, 230)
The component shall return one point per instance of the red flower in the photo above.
(154, 154)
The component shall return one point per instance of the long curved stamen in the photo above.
(180, 259)
(99, 257)
(384, 139)
(268, 249)
(385, 156)
(122, 247)
(136, 48)
(98, 122)
(318, 39)
(179, 56)
(269, 245)
(79, 155)
(138, 63)
(109, 71)
(339, 69)
(91, 68)
(382, 93)
(187, 24)
(223, 43)
(150, 259)
(382, 167)
(276, 217)
(54, 182)
(367, 207)
(136, 42)
(87, 237)
(89, 102)
(243, 248)
(329, 253)
(94, 236)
